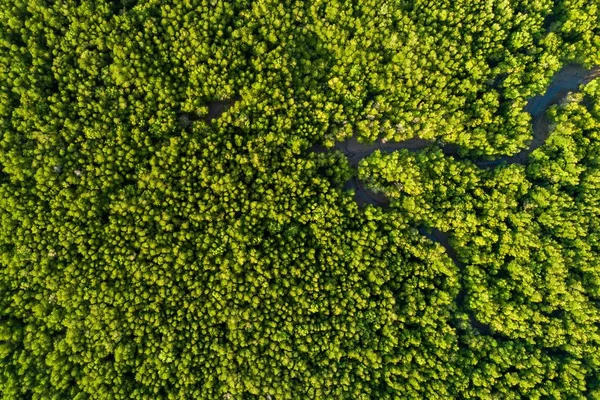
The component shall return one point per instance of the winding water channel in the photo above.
(568, 79)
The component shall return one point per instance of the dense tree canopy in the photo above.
(526, 240)
(165, 231)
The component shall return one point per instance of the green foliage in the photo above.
(165, 232)
(528, 242)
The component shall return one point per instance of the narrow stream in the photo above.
(568, 79)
